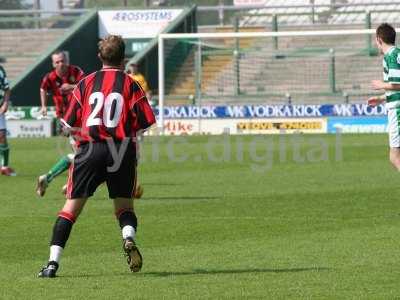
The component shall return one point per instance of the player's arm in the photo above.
(141, 109)
(72, 118)
(387, 86)
(6, 101)
(44, 88)
(149, 95)
(6, 87)
(392, 83)
(393, 76)
(376, 100)
(145, 86)
(43, 101)
(67, 87)
(71, 121)
(144, 115)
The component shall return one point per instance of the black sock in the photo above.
(61, 230)
(128, 217)
(54, 263)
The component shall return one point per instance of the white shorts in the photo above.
(394, 127)
(2, 122)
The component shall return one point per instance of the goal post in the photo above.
(308, 53)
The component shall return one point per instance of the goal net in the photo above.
(293, 67)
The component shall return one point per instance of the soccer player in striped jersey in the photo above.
(107, 111)
(4, 100)
(59, 82)
(385, 41)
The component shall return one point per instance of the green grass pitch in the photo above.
(217, 222)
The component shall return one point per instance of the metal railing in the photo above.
(225, 12)
(218, 15)
(20, 19)
(371, 50)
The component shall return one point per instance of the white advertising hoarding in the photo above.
(244, 126)
(277, 126)
(135, 23)
(29, 128)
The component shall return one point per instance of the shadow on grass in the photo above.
(232, 271)
(201, 272)
(180, 198)
(160, 184)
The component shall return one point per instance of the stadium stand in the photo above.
(351, 12)
(291, 13)
(71, 4)
(25, 36)
(354, 13)
(20, 48)
(267, 74)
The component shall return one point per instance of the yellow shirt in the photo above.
(142, 81)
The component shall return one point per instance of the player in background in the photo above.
(133, 71)
(59, 82)
(107, 111)
(385, 41)
(4, 101)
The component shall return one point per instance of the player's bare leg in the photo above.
(394, 156)
(64, 189)
(128, 222)
(4, 155)
(61, 231)
(138, 191)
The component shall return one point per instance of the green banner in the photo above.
(134, 46)
(29, 113)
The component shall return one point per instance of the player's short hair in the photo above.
(58, 52)
(65, 54)
(386, 33)
(112, 50)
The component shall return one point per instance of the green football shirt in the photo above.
(4, 85)
(391, 72)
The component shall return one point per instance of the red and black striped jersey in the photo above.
(52, 83)
(108, 104)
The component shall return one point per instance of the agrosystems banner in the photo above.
(135, 23)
